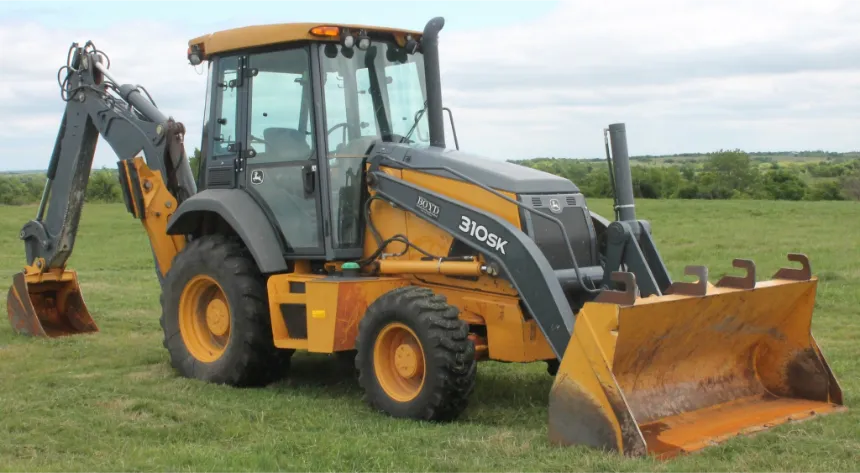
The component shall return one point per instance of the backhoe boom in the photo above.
(127, 118)
(128, 121)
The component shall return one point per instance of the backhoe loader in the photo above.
(329, 216)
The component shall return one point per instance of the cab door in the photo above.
(281, 159)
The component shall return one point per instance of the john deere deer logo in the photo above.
(257, 177)
(555, 206)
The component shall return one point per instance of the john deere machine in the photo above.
(330, 217)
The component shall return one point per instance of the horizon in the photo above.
(636, 157)
(786, 77)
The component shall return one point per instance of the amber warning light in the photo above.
(331, 31)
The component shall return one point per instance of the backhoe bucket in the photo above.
(675, 373)
(48, 304)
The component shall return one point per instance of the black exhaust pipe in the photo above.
(430, 48)
(623, 179)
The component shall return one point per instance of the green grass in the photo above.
(110, 401)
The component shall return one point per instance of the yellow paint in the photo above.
(391, 221)
(448, 268)
(278, 287)
(322, 297)
(687, 371)
(467, 193)
(204, 318)
(333, 309)
(47, 303)
(265, 35)
(398, 362)
(159, 205)
(510, 336)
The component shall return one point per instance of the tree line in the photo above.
(103, 186)
(724, 174)
(731, 174)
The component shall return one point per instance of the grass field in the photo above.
(110, 401)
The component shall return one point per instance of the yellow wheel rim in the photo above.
(398, 360)
(204, 318)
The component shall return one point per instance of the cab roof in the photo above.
(265, 35)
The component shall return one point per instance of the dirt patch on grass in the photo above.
(151, 372)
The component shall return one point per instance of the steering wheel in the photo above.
(339, 125)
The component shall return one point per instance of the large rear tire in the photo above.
(215, 316)
(414, 357)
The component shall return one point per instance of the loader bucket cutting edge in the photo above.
(677, 373)
(48, 305)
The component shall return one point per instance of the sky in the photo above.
(523, 79)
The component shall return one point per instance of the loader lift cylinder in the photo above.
(623, 179)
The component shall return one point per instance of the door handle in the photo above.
(309, 177)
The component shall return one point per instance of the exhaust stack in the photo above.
(625, 206)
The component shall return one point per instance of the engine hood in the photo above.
(500, 175)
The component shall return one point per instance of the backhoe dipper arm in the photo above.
(131, 124)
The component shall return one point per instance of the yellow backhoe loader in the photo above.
(329, 216)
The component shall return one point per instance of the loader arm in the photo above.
(45, 299)
(514, 255)
(544, 291)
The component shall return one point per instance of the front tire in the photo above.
(215, 316)
(414, 357)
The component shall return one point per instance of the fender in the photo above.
(241, 212)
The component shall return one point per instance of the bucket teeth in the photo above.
(626, 297)
(698, 288)
(665, 375)
(802, 274)
(740, 282)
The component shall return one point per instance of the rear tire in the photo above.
(414, 357)
(215, 316)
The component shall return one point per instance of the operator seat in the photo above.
(286, 144)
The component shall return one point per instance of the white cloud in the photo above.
(30, 104)
(684, 76)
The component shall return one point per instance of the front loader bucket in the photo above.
(675, 373)
(48, 305)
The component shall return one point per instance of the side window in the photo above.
(335, 108)
(404, 102)
(365, 103)
(280, 123)
(225, 131)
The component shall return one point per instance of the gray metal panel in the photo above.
(500, 175)
(571, 210)
(238, 209)
(519, 258)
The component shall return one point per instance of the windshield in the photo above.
(373, 94)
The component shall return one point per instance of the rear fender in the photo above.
(243, 214)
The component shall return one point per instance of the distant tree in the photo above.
(726, 172)
(825, 190)
(851, 186)
(689, 190)
(782, 184)
(734, 168)
(194, 162)
(103, 186)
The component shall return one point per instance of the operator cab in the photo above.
(291, 120)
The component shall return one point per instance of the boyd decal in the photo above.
(427, 207)
(480, 232)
